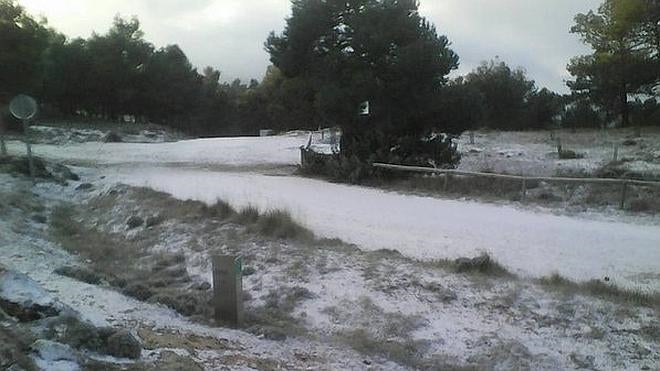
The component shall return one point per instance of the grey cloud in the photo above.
(229, 34)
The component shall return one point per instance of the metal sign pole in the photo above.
(25, 108)
(26, 134)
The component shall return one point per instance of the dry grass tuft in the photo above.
(221, 209)
(248, 215)
(280, 224)
(603, 290)
(483, 265)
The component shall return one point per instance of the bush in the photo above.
(645, 113)
(354, 164)
(581, 115)
(112, 137)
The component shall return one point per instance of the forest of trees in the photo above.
(115, 74)
(331, 56)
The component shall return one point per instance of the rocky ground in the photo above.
(130, 266)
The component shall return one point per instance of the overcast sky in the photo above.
(229, 34)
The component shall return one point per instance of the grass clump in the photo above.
(280, 224)
(274, 223)
(481, 265)
(80, 274)
(248, 215)
(603, 290)
(567, 154)
(221, 209)
(63, 223)
(92, 244)
(15, 349)
(274, 320)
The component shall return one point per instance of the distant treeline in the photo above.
(332, 56)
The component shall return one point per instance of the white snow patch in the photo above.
(529, 243)
(244, 151)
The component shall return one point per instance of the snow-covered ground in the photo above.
(530, 242)
(535, 152)
(510, 323)
(244, 151)
(26, 247)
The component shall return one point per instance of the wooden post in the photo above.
(3, 146)
(523, 195)
(228, 289)
(445, 186)
(559, 146)
(616, 153)
(624, 190)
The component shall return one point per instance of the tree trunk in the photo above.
(3, 146)
(625, 109)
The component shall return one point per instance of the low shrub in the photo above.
(112, 137)
(280, 224)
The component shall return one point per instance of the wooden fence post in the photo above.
(228, 289)
(446, 183)
(523, 195)
(616, 153)
(624, 190)
(559, 146)
(3, 146)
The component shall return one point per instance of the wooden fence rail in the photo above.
(624, 183)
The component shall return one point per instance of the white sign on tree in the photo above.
(364, 108)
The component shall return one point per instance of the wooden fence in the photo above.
(624, 183)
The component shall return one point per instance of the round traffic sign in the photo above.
(23, 107)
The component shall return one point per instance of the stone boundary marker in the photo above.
(228, 289)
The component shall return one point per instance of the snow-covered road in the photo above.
(531, 243)
(244, 151)
(528, 242)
